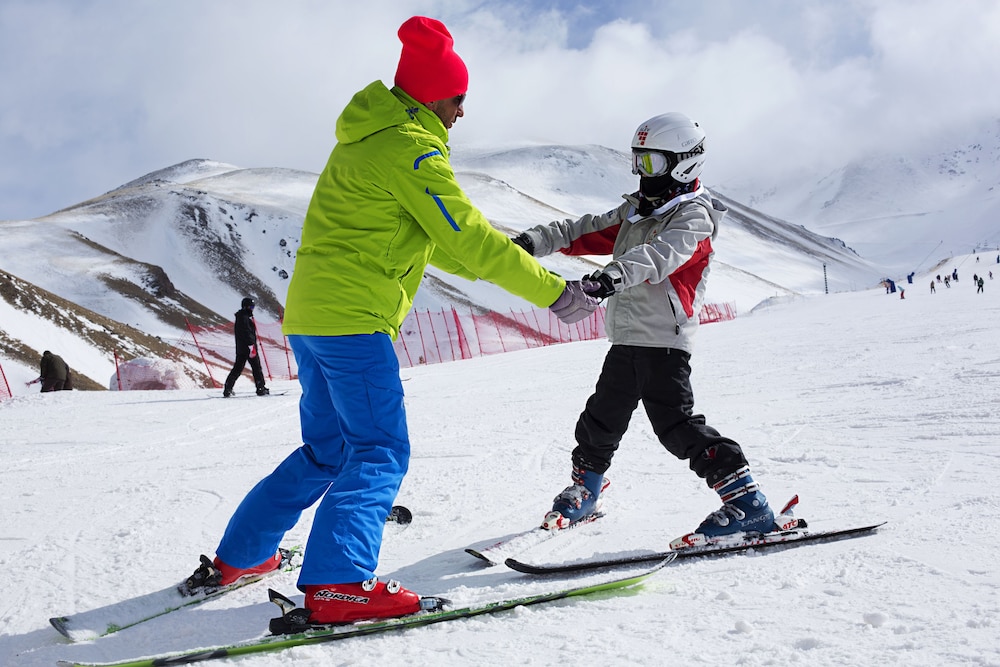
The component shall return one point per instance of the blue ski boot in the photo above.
(578, 501)
(744, 510)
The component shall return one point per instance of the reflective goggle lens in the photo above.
(649, 163)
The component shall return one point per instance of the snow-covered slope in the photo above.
(846, 400)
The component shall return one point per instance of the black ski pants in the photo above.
(242, 356)
(661, 379)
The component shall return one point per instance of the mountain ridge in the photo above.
(188, 241)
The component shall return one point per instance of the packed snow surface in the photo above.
(870, 407)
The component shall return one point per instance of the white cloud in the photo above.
(97, 94)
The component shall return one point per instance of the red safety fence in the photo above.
(429, 338)
(716, 312)
(425, 337)
(4, 386)
(217, 348)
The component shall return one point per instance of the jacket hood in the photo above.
(376, 108)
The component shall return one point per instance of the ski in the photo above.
(253, 394)
(499, 552)
(127, 613)
(271, 643)
(776, 540)
(117, 616)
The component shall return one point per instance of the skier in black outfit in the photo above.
(245, 331)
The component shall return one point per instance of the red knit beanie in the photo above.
(429, 69)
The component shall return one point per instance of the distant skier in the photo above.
(661, 239)
(245, 332)
(979, 284)
(54, 373)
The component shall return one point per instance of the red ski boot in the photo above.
(346, 603)
(212, 575)
(231, 574)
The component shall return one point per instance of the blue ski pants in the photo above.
(354, 455)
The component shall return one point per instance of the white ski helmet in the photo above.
(671, 143)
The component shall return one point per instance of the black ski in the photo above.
(249, 395)
(787, 539)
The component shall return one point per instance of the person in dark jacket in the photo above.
(54, 373)
(245, 332)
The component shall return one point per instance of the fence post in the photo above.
(463, 341)
(202, 353)
(451, 339)
(437, 343)
(260, 353)
(496, 325)
(118, 372)
(288, 361)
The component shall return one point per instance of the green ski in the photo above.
(270, 643)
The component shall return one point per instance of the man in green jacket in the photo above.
(386, 205)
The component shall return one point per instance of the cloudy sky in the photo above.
(99, 92)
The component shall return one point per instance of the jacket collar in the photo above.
(666, 206)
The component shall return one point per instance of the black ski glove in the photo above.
(600, 285)
(525, 242)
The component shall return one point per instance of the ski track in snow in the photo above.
(870, 407)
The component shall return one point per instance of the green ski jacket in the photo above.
(386, 205)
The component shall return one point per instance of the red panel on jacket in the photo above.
(601, 242)
(685, 279)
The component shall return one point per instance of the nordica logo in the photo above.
(340, 597)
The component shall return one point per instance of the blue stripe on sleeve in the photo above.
(444, 211)
(416, 163)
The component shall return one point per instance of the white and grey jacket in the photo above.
(663, 260)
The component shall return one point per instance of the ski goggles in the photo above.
(650, 163)
(657, 163)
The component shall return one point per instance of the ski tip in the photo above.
(62, 625)
(400, 515)
(480, 556)
(59, 623)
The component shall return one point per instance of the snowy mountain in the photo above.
(186, 243)
(901, 211)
